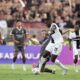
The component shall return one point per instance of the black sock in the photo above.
(14, 59)
(23, 58)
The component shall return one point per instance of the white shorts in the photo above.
(54, 48)
(75, 50)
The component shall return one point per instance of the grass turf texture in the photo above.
(6, 73)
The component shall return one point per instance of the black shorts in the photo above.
(19, 49)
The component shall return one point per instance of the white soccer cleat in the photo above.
(76, 70)
(65, 71)
(13, 66)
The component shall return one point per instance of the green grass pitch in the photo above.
(6, 73)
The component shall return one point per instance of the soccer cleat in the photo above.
(65, 71)
(13, 66)
(76, 70)
(24, 68)
(53, 71)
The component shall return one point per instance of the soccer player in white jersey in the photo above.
(53, 48)
(74, 37)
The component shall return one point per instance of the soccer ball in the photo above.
(35, 70)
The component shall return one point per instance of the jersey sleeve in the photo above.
(71, 35)
(13, 32)
(25, 31)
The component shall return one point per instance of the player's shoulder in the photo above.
(24, 29)
(14, 30)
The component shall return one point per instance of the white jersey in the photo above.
(71, 36)
(57, 37)
(74, 43)
(55, 46)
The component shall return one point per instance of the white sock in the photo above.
(24, 67)
(13, 66)
(75, 66)
(58, 63)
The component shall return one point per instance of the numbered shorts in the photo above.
(54, 48)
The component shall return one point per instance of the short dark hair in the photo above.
(18, 21)
(33, 35)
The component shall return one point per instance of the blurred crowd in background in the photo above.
(66, 13)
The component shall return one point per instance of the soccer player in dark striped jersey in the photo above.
(19, 37)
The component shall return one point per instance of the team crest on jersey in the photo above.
(56, 49)
(22, 31)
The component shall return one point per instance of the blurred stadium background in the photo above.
(37, 16)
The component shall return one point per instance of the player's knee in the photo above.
(46, 54)
(53, 58)
(76, 59)
(23, 55)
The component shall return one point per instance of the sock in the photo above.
(13, 66)
(75, 66)
(57, 62)
(24, 67)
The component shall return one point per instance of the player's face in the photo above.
(19, 24)
(53, 29)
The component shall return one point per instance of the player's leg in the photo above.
(43, 59)
(75, 59)
(15, 56)
(43, 53)
(55, 52)
(42, 63)
(47, 70)
(44, 69)
(75, 62)
(58, 63)
(23, 57)
(75, 54)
